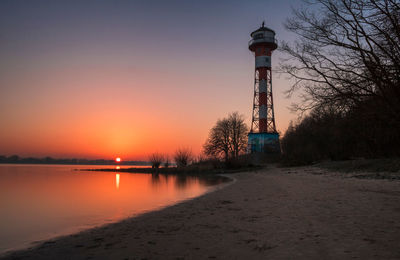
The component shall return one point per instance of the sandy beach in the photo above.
(275, 213)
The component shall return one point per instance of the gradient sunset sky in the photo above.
(100, 79)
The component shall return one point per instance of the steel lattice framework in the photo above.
(267, 124)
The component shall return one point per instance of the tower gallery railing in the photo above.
(264, 39)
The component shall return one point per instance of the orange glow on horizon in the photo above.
(91, 93)
(111, 114)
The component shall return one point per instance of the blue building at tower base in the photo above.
(264, 143)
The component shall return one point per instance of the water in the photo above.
(40, 202)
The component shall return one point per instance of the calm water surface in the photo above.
(39, 202)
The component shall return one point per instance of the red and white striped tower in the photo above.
(263, 129)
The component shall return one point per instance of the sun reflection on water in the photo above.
(117, 180)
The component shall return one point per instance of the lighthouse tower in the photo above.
(263, 136)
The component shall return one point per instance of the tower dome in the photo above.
(263, 36)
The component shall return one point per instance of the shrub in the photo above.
(183, 157)
(156, 159)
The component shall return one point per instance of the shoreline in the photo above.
(189, 171)
(276, 213)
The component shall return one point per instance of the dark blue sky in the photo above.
(38, 25)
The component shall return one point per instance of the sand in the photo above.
(276, 213)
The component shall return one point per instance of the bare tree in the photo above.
(227, 138)
(183, 157)
(239, 131)
(218, 142)
(348, 51)
(156, 159)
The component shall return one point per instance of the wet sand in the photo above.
(276, 213)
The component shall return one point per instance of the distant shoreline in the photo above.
(16, 159)
(82, 163)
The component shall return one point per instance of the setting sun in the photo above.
(118, 159)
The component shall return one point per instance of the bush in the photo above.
(167, 162)
(183, 157)
(156, 159)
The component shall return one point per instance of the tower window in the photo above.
(258, 36)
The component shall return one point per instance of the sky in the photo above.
(100, 79)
